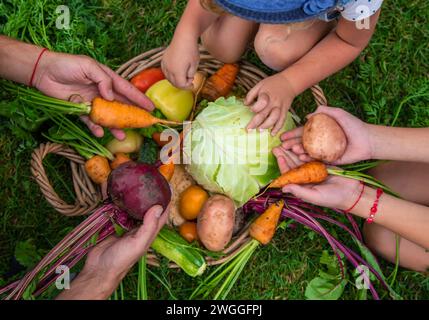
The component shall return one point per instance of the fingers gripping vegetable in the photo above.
(310, 172)
(323, 138)
(216, 222)
(192, 201)
(98, 169)
(132, 143)
(220, 83)
(176, 104)
(264, 227)
(136, 187)
(145, 79)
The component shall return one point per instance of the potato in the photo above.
(323, 138)
(180, 181)
(132, 143)
(216, 222)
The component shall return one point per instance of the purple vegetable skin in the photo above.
(136, 187)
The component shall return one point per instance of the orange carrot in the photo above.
(156, 136)
(114, 114)
(120, 158)
(167, 170)
(264, 227)
(221, 82)
(310, 172)
(98, 169)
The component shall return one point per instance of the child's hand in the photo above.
(334, 192)
(357, 133)
(274, 96)
(180, 62)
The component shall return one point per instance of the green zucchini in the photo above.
(172, 246)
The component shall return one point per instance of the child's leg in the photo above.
(227, 38)
(410, 181)
(279, 46)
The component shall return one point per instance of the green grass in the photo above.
(391, 71)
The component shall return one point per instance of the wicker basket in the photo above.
(88, 196)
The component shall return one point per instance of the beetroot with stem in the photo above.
(136, 187)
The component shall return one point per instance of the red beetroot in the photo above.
(136, 187)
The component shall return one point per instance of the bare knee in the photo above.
(221, 53)
(273, 51)
(383, 243)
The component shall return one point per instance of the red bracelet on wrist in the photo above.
(357, 200)
(30, 84)
(374, 207)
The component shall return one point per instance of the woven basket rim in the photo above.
(88, 195)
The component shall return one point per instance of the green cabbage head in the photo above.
(224, 158)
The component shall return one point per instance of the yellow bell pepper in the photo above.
(174, 103)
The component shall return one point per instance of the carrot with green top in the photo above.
(111, 114)
(310, 172)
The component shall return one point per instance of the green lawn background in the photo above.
(391, 72)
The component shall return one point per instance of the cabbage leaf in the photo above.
(223, 157)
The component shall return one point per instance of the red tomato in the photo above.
(145, 79)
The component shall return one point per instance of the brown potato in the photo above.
(323, 138)
(216, 222)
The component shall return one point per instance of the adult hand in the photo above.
(180, 61)
(270, 99)
(78, 78)
(109, 261)
(357, 133)
(335, 192)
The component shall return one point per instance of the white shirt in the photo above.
(356, 10)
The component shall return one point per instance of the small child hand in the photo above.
(274, 96)
(180, 62)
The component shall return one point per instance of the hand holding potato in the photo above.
(358, 140)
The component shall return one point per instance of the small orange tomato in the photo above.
(188, 230)
(192, 201)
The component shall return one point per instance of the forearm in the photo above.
(403, 144)
(88, 286)
(337, 50)
(17, 59)
(326, 58)
(194, 21)
(405, 218)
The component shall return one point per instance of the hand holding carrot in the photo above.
(80, 78)
(334, 192)
(356, 131)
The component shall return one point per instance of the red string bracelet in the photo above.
(374, 207)
(357, 200)
(30, 84)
